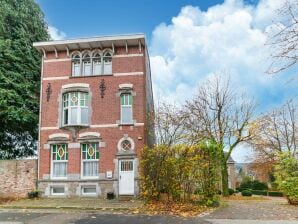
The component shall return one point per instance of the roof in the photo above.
(91, 42)
(230, 160)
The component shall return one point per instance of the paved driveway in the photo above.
(274, 211)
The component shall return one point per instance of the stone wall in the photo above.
(18, 177)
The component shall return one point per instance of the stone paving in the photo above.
(73, 203)
(273, 209)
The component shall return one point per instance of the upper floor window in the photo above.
(126, 108)
(95, 63)
(75, 108)
(76, 65)
(59, 160)
(90, 159)
(107, 66)
(86, 64)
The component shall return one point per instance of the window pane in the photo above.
(58, 190)
(84, 115)
(65, 117)
(59, 169)
(87, 68)
(76, 69)
(96, 68)
(89, 190)
(90, 168)
(126, 114)
(107, 69)
(73, 115)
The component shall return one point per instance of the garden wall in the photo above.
(17, 177)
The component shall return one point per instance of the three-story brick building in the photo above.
(96, 94)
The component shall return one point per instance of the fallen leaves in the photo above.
(183, 209)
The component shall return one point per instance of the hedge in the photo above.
(275, 194)
(258, 192)
(246, 193)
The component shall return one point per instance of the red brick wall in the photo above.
(104, 110)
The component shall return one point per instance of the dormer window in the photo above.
(76, 65)
(86, 64)
(97, 64)
(107, 59)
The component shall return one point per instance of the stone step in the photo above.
(125, 197)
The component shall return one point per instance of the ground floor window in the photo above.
(59, 160)
(90, 159)
(89, 190)
(58, 190)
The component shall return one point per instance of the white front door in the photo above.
(126, 177)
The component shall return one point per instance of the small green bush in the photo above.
(258, 192)
(33, 194)
(231, 191)
(254, 185)
(275, 193)
(246, 193)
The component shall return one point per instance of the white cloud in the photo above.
(56, 34)
(229, 36)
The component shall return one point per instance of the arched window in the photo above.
(96, 60)
(107, 66)
(86, 64)
(76, 65)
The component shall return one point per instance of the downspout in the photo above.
(39, 123)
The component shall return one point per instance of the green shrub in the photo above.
(286, 173)
(275, 193)
(231, 191)
(258, 192)
(246, 193)
(254, 185)
(33, 194)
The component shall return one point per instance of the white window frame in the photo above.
(88, 194)
(57, 194)
(126, 105)
(84, 63)
(104, 64)
(73, 64)
(89, 160)
(58, 161)
(78, 106)
(101, 63)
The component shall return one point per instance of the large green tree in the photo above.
(21, 23)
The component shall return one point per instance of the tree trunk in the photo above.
(224, 179)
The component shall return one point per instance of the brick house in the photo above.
(95, 97)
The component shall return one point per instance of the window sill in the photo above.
(89, 76)
(89, 178)
(58, 178)
(75, 125)
(126, 124)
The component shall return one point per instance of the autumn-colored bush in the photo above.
(180, 170)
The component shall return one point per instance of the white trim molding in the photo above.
(56, 78)
(128, 73)
(104, 126)
(125, 137)
(57, 60)
(49, 128)
(126, 86)
(127, 55)
(59, 135)
(74, 85)
(86, 134)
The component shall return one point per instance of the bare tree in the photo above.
(276, 132)
(283, 38)
(220, 114)
(169, 124)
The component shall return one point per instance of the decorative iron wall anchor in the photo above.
(49, 91)
(102, 88)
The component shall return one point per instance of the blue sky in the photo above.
(188, 40)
